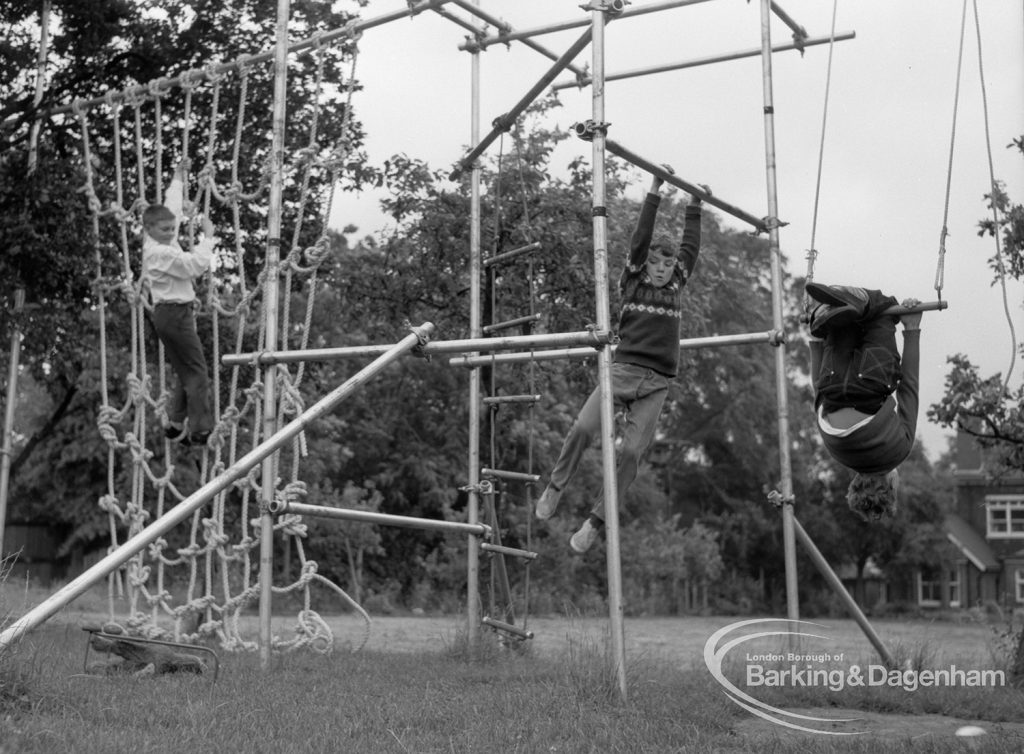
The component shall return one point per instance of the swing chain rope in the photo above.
(994, 202)
(812, 251)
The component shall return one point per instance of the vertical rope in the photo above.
(812, 251)
(941, 264)
(994, 190)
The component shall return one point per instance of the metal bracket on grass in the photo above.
(186, 648)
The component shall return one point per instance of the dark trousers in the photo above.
(860, 364)
(175, 325)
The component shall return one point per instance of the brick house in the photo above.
(987, 529)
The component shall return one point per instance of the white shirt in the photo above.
(167, 270)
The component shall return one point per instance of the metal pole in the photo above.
(620, 151)
(781, 380)
(798, 31)
(505, 37)
(271, 295)
(771, 337)
(505, 343)
(581, 82)
(473, 610)
(203, 74)
(504, 122)
(499, 24)
(837, 586)
(384, 519)
(12, 400)
(184, 510)
(19, 293)
(604, 360)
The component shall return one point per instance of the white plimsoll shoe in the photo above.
(584, 537)
(547, 503)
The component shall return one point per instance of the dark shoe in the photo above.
(825, 317)
(839, 295)
(177, 434)
(198, 438)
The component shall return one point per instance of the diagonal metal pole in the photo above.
(184, 510)
(504, 122)
(620, 151)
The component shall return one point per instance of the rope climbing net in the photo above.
(211, 566)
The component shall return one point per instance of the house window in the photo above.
(1018, 583)
(929, 587)
(1004, 516)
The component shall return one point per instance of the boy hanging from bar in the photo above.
(646, 358)
(857, 369)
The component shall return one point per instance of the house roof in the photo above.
(970, 542)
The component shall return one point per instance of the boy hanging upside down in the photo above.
(857, 371)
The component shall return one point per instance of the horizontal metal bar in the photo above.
(499, 399)
(506, 627)
(506, 343)
(384, 519)
(203, 74)
(703, 61)
(510, 323)
(924, 306)
(507, 36)
(512, 551)
(506, 256)
(771, 337)
(510, 476)
(899, 310)
(184, 509)
(620, 151)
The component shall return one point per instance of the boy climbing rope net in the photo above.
(168, 272)
(866, 397)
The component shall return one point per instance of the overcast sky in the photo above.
(887, 138)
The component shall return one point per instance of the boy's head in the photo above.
(159, 223)
(661, 261)
(871, 496)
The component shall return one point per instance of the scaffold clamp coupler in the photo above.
(484, 487)
(777, 499)
(423, 338)
(586, 129)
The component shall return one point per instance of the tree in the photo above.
(101, 46)
(985, 408)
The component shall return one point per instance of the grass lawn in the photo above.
(414, 687)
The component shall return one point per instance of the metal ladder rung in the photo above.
(506, 627)
(518, 476)
(510, 255)
(501, 549)
(511, 323)
(498, 399)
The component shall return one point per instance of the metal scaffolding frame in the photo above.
(597, 342)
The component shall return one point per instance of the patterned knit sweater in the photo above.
(650, 317)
